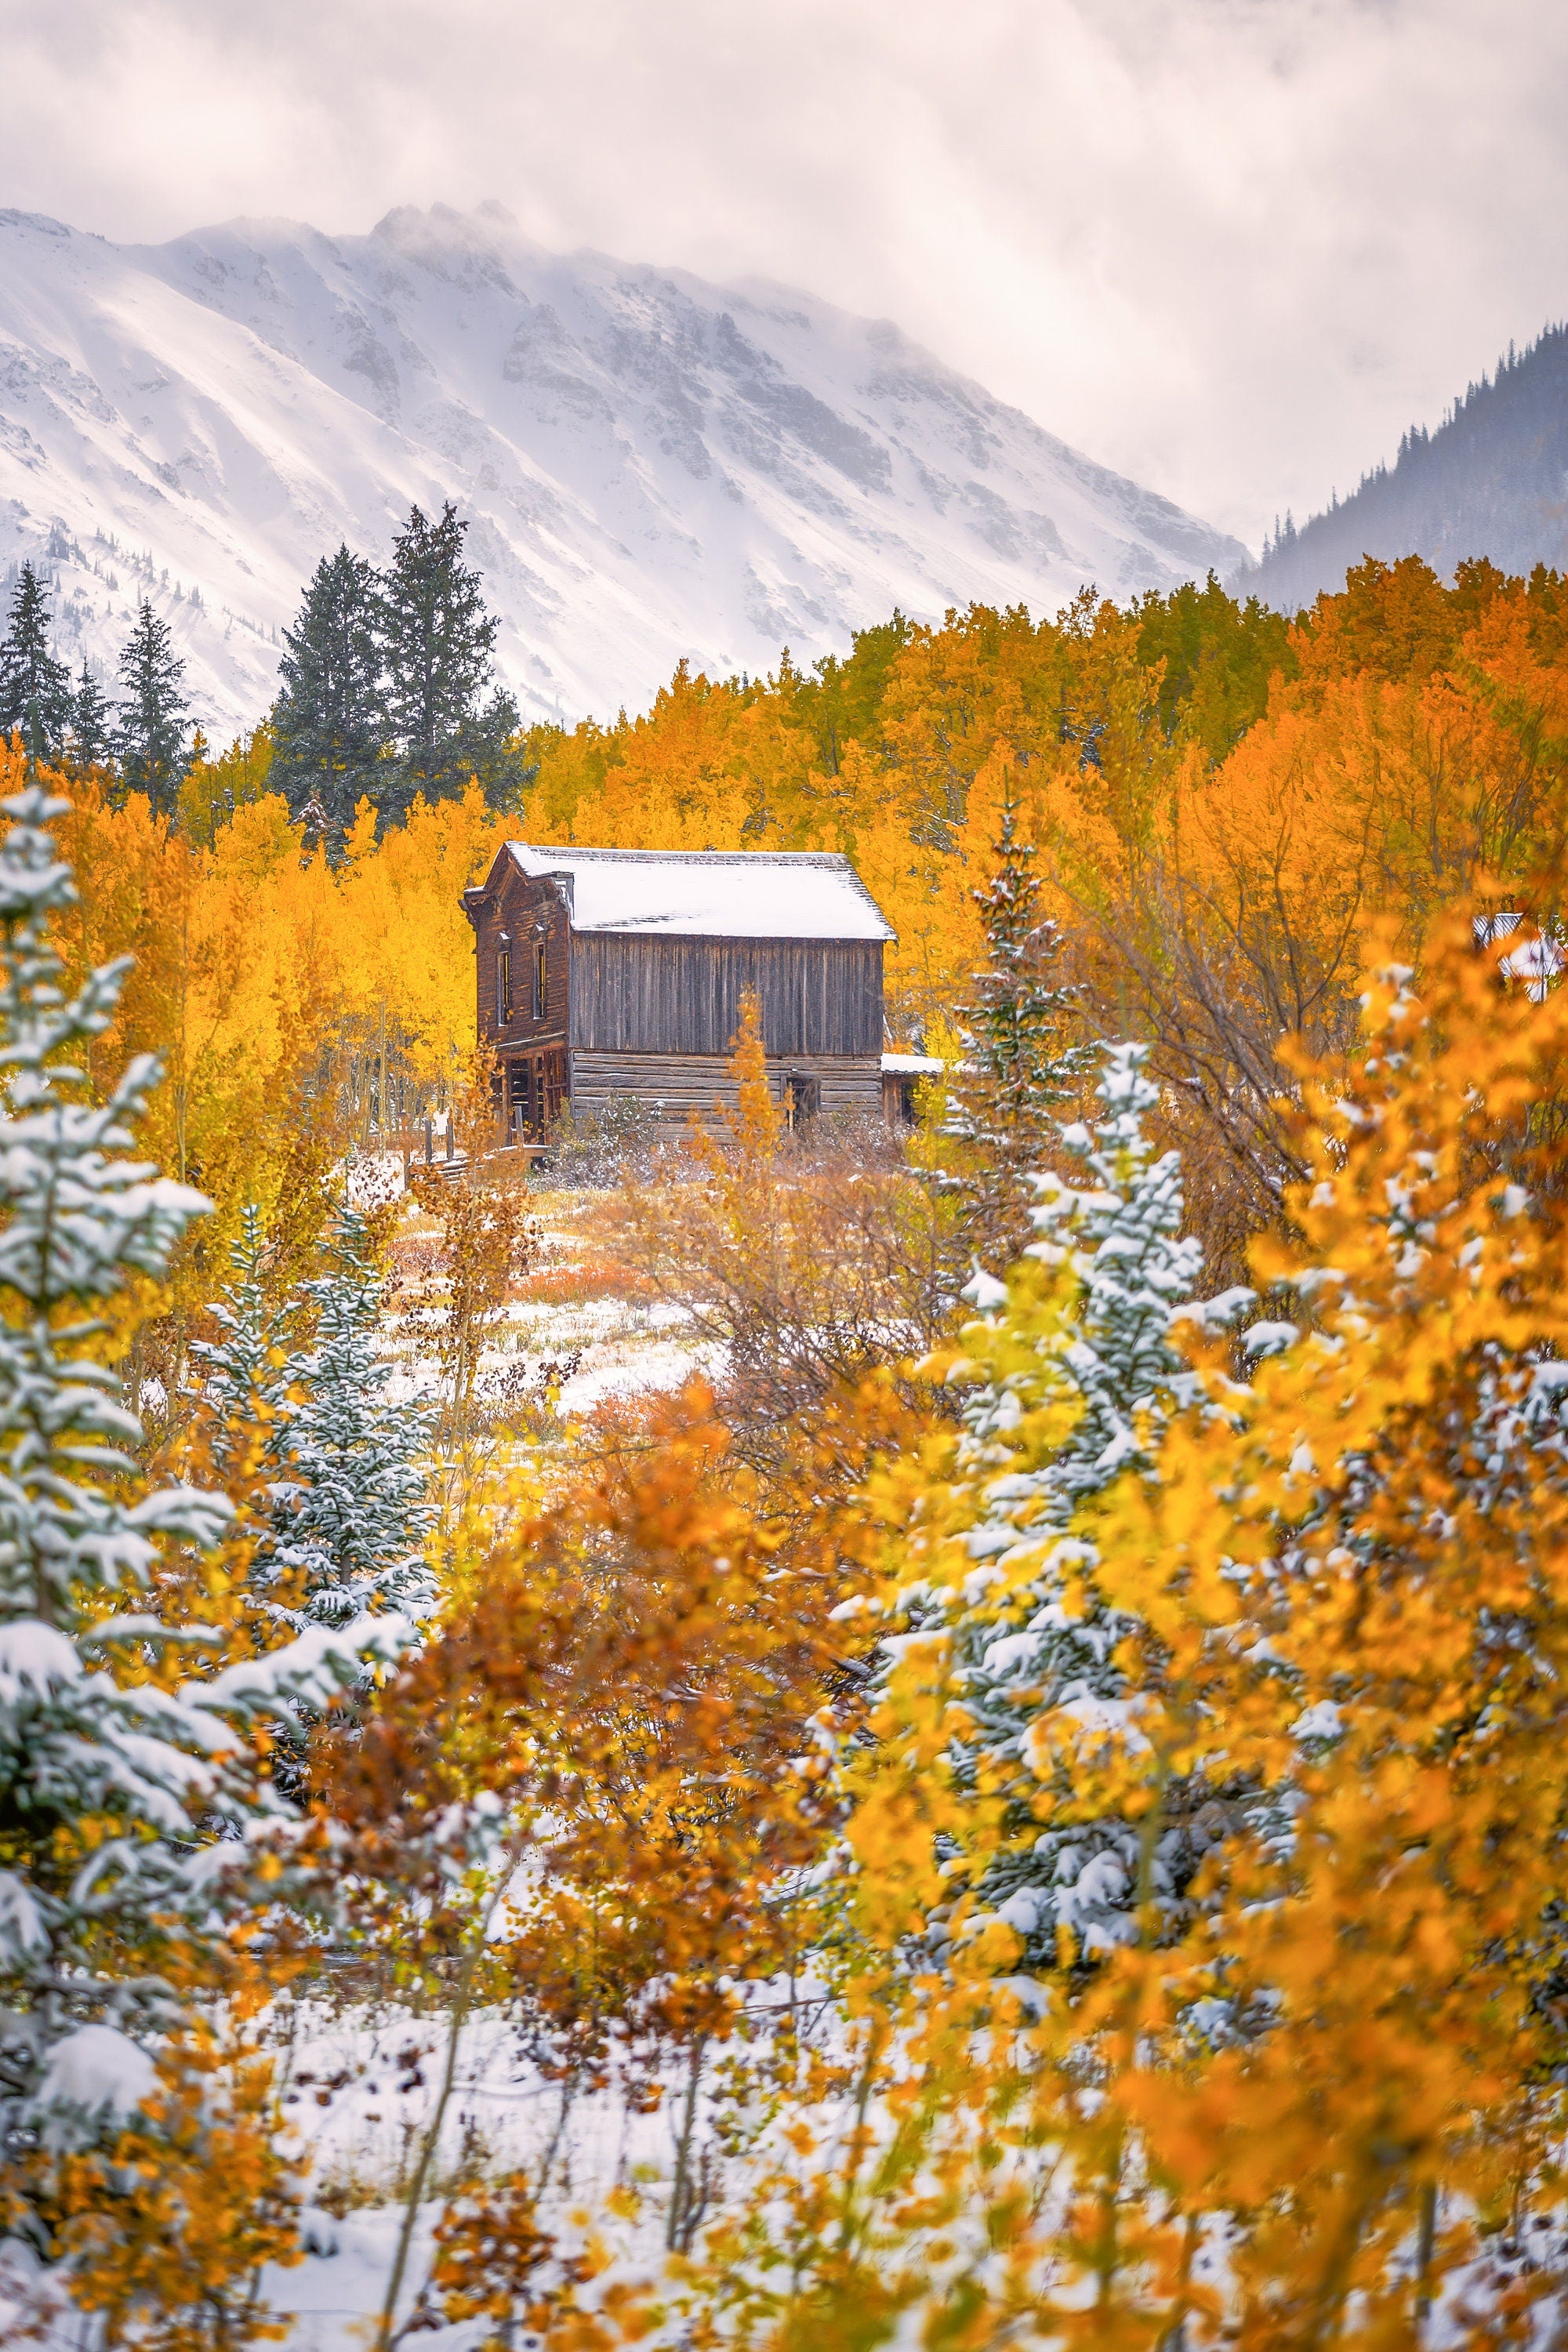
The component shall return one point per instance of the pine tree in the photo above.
(329, 722)
(150, 738)
(92, 723)
(246, 1381)
(1080, 1375)
(328, 1476)
(1017, 1069)
(245, 1374)
(107, 1772)
(353, 1513)
(34, 688)
(437, 640)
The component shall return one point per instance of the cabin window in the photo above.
(540, 978)
(504, 988)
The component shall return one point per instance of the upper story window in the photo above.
(504, 988)
(540, 978)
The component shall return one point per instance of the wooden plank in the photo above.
(632, 995)
(672, 1086)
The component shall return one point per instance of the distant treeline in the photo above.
(386, 692)
(1491, 477)
(1223, 804)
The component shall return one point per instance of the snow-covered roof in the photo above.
(911, 1066)
(746, 893)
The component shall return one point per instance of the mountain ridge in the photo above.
(653, 466)
(1490, 480)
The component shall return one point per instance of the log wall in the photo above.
(675, 1084)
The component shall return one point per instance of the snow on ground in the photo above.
(632, 1369)
(577, 1324)
(360, 2096)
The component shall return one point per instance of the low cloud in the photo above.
(1231, 246)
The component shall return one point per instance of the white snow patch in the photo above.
(97, 2071)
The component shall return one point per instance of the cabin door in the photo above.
(516, 1097)
(536, 1089)
(802, 1099)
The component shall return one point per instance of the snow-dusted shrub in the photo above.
(353, 1502)
(1074, 1376)
(336, 1489)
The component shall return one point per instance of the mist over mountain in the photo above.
(653, 467)
(1491, 480)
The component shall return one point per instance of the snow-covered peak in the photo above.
(654, 467)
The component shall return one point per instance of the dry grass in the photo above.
(579, 1260)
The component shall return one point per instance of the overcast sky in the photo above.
(1231, 246)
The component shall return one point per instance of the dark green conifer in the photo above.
(1019, 1065)
(149, 741)
(92, 723)
(329, 724)
(35, 689)
(437, 640)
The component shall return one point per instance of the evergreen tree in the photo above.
(437, 640)
(92, 723)
(246, 1370)
(1017, 1069)
(35, 689)
(328, 1474)
(241, 1401)
(329, 724)
(353, 1513)
(150, 738)
(106, 1776)
(1079, 1376)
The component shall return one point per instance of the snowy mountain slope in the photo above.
(653, 467)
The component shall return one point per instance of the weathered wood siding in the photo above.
(675, 1084)
(682, 996)
(515, 906)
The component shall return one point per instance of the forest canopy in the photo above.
(1220, 803)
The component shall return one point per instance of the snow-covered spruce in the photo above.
(244, 1375)
(103, 1779)
(1078, 1375)
(354, 1511)
(338, 1486)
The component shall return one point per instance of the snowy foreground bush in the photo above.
(134, 1793)
(1063, 1846)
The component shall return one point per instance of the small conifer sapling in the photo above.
(1019, 1066)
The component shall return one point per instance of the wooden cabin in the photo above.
(607, 973)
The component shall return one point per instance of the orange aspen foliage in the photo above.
(167, 2232)
(266, 982)
(1327, 2103)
